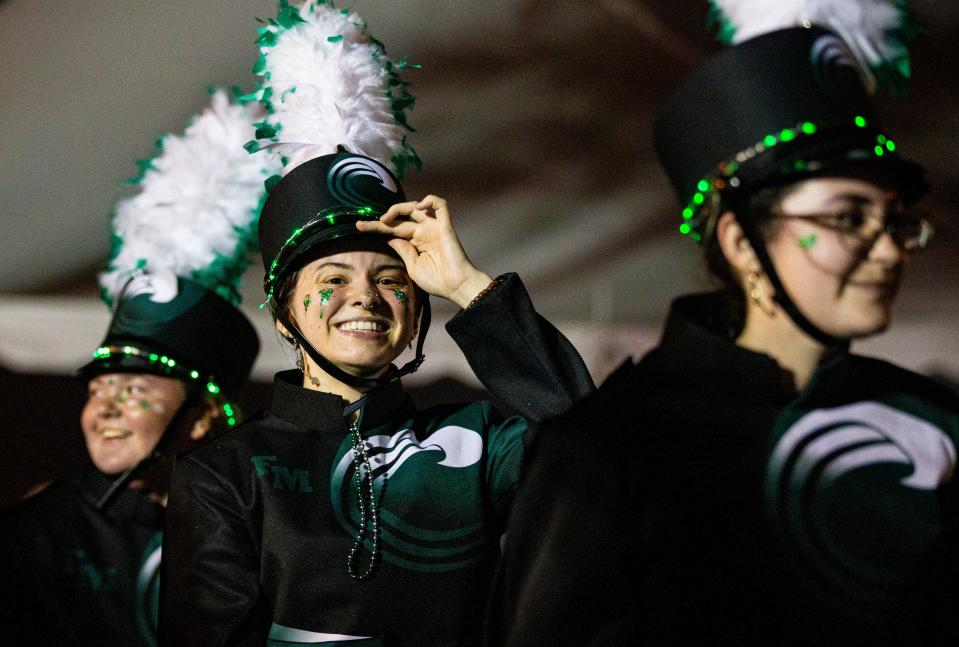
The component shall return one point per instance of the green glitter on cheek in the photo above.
(400, 296)
(325, 298)
(306, 303)
(807, 242)
(144, 404)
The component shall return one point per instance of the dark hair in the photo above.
(758, 206)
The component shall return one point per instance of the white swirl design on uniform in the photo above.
(458, 447)
(863, 434)
(852, 535)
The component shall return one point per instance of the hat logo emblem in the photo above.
(828, 57)
(160, 288)
(342, 176)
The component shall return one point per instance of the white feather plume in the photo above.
(327, 83)
(195, 215)
(869, 27)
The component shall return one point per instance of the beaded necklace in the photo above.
(369, 511)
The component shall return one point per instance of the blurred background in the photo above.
(534, 120)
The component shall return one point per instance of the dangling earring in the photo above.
(755, 294)
(299, 355)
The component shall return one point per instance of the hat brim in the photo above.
(321, 239)
(849, 156)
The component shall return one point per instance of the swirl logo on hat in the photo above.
(836, 70)
(359, 181)
(162, 288)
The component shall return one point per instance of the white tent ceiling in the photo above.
(533, 119)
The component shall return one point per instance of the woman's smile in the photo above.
(363, 328)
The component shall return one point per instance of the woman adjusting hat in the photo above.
(345, 513)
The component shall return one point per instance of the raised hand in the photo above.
(424, 238)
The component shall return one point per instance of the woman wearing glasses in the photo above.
(752, 481)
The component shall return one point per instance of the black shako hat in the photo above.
(318, 201)
(776, 107)
(196, 336)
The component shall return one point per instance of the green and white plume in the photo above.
(196, 213)
(875, 30)
(327, 83)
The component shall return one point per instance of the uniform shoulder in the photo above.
(907, 382)
(619, 395)
(43, 495)
(251, 436)
(43, 513)
(475, 414)
(607, 416)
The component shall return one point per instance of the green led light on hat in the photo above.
(167, 366)
(269, 286)
(700, 205)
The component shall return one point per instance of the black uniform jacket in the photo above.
(694, 499)
(74, 575)
(261, 520)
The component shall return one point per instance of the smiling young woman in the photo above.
(767, 486)
(839, 245)
(344, 513)
(81, 558)
(126, 415)
(79, 562)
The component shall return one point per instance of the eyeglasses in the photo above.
(859, 229)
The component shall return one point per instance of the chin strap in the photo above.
(369, 384)
(782, 297)
(124, 478)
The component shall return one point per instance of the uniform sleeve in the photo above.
(504, 461)
(522, 360)
(209, 584)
